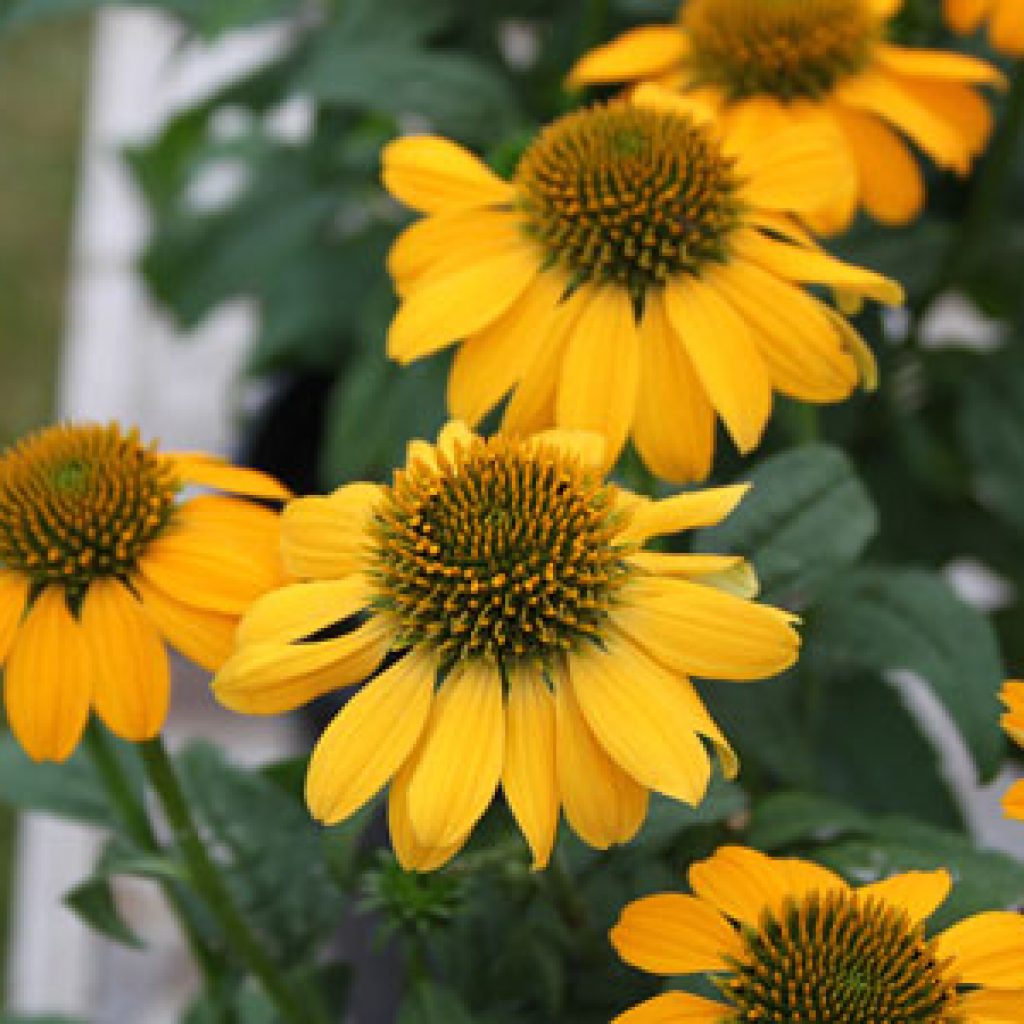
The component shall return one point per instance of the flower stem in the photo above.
(212, 887)
(136, 823)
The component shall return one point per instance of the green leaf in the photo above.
(886, 619)
(428, 1003)
(806, 517)
(93, 902)
(783, 819)
(992, 427)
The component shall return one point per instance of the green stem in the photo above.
(566, 898)
(211, 886)
(137, 824)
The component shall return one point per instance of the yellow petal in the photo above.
(488, 365)
(271, 677)
(724, 355)
(431, 174)
(411, 853)
(742, 883)
(240, 524)
(674, 425)
(796, 263)
(987, 949)
(458, 770)
(919, 893)
(640, 716)
(49, 680)
(528, 777)
(131, 678)
(639, 53)
(370, 738)
(204, 637)
(697, 630)
(1013, 801)
(674, 934)
(209, 471)
(295, 612)
(964, 16)
(802, 352)
(992, 1006)
(688, 511)
(601, 372)
(1006, 29)
(326, 537)
(602, 803)
(13, 597)
(941, 64)
(585, 445)
(449, 307)
(730, 573)
(677, 1008)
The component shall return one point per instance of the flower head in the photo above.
(821, 61)
(1013, 724)
(788, 940)
(99, 559)
(640, 274)
(1005, 22)
(513, 631)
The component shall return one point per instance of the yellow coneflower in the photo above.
(513, 631)
(100, 562)
(1005, 22)
(807, 61)
(1013, 723)
(639, 274)
(785, 940)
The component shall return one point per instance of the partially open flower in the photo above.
(798, 62)
(788, 940)
(1005, 22)
(101, 562)
(640, 274)
(513, 632)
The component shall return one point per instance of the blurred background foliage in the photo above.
(856, 513)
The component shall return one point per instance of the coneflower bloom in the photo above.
(101, 562)
(1005, 22)
(1013, 723)
(513, 632)
(808, 61)
(640, 274)
(785, 940)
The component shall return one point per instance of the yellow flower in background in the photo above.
(639, 275)
(100, 563)
(1013, 724)
(811, 61)
(1005, 21)
(514, 633)
(786, 940)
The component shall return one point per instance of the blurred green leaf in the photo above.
(429, 1003)
(887, 619)
(807, 516)
(785, 818)
(93, 902)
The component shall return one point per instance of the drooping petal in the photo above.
(702, 631)
(919, 893)
(529, 774)
(602, 803)
(271, 677)
(601, 372)
(13, 598)
(326, 537)
(721, 347)
(370, 738)
(639, 53)
(458, 769)
(677, 1008)
(674, 424)
(688, 511)
(988, 949)
(431, 174)
(293, 613)
(131, 676)
(915, 62)
(210, 471)
(48, 683)
(411, 853)
(204, 637)
(674, 934)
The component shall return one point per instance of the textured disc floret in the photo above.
(785, 48)
(504, 551)
(78, 503)
(630, 195)
(840, 959)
